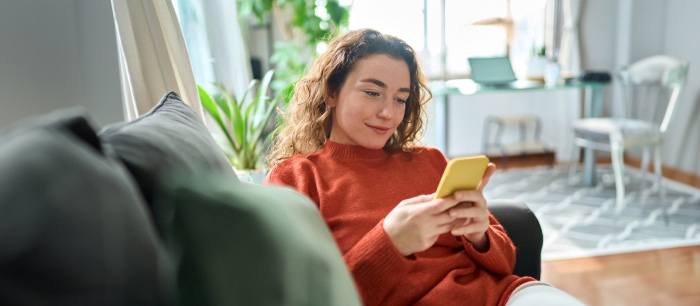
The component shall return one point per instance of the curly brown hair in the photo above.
(307, 120)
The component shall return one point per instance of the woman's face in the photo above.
(371, 103)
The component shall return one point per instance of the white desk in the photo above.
(442, 90)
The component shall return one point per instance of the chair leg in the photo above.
(572, 163)
(617, 153)
(659, 181)
(645, 162)
(643, 178)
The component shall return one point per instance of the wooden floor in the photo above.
(661, 277)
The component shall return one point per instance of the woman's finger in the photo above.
(438, 206)
(443, 218)
(418, 199)
(474, 197)
(446, 228)
(469, 228)
(478, 212)
(487, 175)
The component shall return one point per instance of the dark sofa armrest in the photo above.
(524, 230)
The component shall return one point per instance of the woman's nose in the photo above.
(386, 111)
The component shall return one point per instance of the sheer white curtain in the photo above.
(570, 61)
(152, 56)
(215, 40)
(570, 54)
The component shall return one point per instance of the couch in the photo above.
(149, 212)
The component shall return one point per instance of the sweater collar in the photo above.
(352, 152)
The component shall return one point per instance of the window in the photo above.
(471, 28)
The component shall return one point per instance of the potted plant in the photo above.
(303, 26)
(242, 125)
(537, 64)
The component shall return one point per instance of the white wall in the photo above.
(57, 54)
(648, 28)
(597, 27)
(681, 40)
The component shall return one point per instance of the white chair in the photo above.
(649, 86)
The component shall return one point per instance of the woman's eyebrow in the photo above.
(382, 85)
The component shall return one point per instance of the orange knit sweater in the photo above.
(356, 187)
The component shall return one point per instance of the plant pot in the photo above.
(536, 68)
(552, 73)
(256, 176)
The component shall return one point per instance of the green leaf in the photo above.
(260, 8)
(226, 102)
(239, 128)
(245, 8)
(273, 105)
(262, 91)
(210, 107)
(251, 106)
(260, 107)
(233, 115)
(207, 103)
(227, 96)
(250, 86)
(224, 105)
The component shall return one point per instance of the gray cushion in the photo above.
(247, 244)
(169, 139)
(73, 227)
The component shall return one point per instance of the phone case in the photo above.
(463, 173)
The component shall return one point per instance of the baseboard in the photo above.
(668, 172)
(523, 160)
(540, 159)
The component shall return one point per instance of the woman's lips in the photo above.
(378, 129)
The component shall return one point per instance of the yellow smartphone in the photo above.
(462, 173)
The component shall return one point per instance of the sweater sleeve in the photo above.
(499, 259)
(298, 175)
(377, 265)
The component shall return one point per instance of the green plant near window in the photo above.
(541, 52)
(242, 124)
(317, 20)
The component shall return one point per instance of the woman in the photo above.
(351, 143)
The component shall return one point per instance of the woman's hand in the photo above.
(473, 213)
(415, 224)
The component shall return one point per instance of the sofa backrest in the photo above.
(168, 140)
(73, 226)
(150, 212)
(247, 244)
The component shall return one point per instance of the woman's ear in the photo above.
(331, 100)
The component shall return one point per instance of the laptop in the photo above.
(492, 71)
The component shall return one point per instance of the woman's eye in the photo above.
(402, 101)
(372, 93)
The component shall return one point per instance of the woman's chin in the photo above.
(374, 144)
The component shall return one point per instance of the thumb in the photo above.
(487, 175)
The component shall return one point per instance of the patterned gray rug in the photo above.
(581, 222)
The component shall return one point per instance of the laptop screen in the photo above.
(491, 70)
